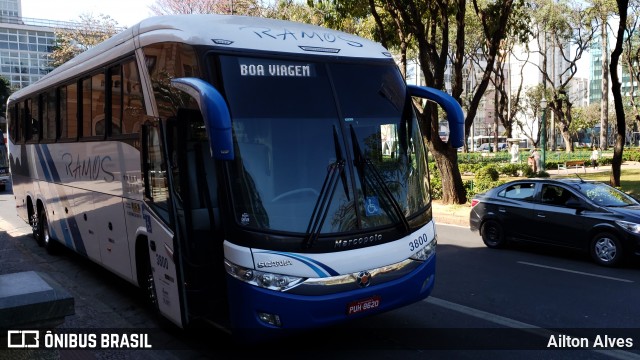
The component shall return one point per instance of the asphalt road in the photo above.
(487, 304)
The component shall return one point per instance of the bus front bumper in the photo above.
(249, 304)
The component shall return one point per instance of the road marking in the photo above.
(519, 325)
(575, 272)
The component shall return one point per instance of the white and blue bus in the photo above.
(253, 173)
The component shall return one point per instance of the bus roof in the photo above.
(221, 31)
(244, 32)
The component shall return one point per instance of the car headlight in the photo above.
(427, 251)
(262, 279)
(629, 226)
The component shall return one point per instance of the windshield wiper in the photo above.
(329, 185)
(361, 163)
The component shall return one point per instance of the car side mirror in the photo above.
(574, 204)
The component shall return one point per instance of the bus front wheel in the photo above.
(145, 279)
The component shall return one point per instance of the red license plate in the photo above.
(359, 306)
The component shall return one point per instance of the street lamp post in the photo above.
(543, 135)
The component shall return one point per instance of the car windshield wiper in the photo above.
(363, 163)
(335, 171)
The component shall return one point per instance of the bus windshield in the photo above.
(331, 147)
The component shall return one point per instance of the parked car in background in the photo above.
(490, 147)
(4, 163)
(572, 213)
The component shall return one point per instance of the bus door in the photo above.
(195, 190)
(158, 260)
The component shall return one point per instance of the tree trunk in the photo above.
(453, 191)
(566, 137)
(604, 109)
(617, 96)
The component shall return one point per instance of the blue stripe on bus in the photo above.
(72, 236)
(43, 163)
(315, 265)
(54, 171)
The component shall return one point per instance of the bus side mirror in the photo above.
(215, 113)
(455, 117)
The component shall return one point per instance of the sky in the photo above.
(125, 12)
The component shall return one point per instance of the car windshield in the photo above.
(605, 195)
(327, 148)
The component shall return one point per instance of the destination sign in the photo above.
(274, 68)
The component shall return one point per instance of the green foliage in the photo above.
(436, 181)
(487, 173)
(5, 91)
(510, 169)
(91, 31)
(527, 171)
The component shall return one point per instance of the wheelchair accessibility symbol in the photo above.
(372, 206)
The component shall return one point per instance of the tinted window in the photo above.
(523, 191)
(555, 195)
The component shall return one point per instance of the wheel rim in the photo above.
(492, 234)
(605, 249)
(151, 290)
(45, 231)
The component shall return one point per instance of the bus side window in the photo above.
(22, 122)
(33, 119)
(133, 108)
(69, 112)
(49, 116)
(166, 61)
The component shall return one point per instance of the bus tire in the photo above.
(33, 221)
(145, 276)
(44, 236)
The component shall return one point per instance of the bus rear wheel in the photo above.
(44, 237)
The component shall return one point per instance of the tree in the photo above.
(90, 31)
(435, 26)
(564, 28)
(600, 12)
(617, 95)
(632, 54)
(5, 91)
(584, 118)
(530, 112)
(235, 7)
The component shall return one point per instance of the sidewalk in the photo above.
(459, 214)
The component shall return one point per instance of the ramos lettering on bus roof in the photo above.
(285, 35)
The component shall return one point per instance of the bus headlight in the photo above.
(266, 280)
(426, 252)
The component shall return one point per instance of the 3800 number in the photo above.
(162, 261)
(416, 243)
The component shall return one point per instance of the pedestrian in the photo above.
(534, 160)
(595, 156)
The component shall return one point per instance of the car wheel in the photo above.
(493, 234)
(606, 249)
